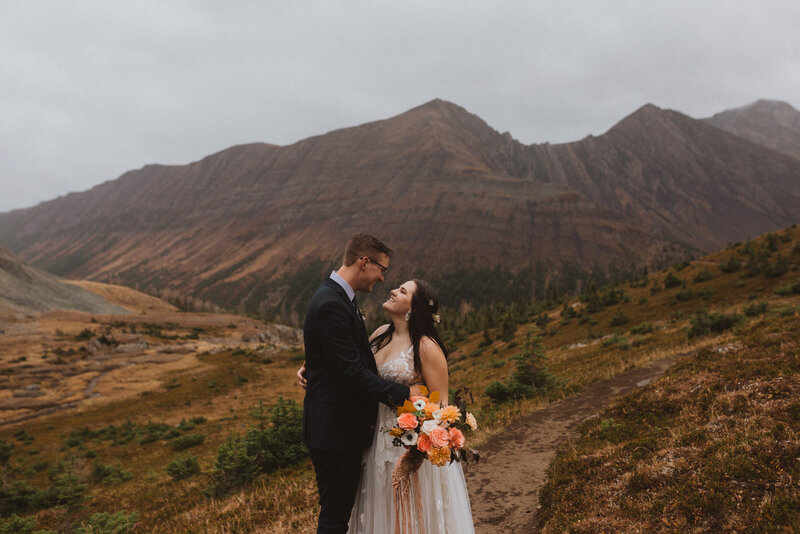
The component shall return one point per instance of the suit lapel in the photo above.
(361, 337)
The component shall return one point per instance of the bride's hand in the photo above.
(301, 376)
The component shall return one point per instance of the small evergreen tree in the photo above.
(530, 369)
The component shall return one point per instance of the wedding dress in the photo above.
(445, 502)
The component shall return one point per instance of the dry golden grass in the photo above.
(126, 297)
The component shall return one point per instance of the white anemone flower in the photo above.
(429, 425)
(419, 405)
(409, 438)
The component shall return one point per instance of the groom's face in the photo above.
(374, 267)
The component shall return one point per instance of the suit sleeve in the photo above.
(344, 358)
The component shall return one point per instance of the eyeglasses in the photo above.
(383, 267)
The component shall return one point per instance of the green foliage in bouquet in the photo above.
(274, 442)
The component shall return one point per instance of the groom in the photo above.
(342, 385)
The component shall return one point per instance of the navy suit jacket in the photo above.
(343, 390)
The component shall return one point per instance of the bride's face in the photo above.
(399, 301)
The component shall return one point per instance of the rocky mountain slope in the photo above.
(25, 290)
(255, 223)
(769, 123)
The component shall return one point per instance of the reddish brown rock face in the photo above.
(436, 183)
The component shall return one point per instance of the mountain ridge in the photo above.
(437, 183)
(770, 123)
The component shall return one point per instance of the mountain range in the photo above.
(256, 226)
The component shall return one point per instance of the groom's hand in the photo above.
(301, 376)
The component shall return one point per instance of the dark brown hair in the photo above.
(421, 322)
(361, 245)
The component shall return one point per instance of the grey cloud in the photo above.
(92, 89)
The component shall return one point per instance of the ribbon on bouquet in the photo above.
(405, 481)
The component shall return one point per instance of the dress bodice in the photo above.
(399, 367)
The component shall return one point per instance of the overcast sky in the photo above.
(91, 89)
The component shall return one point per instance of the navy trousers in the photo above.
(338, 474)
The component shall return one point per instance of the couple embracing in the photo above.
(353, 382)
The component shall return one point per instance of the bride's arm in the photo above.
(434, 367)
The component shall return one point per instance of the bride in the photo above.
(410, 351)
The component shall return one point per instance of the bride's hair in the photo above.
(421, 323)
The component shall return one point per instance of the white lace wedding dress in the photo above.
(445, 501)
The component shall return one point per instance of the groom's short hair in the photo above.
(361, 245)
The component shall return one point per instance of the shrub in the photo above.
(706, 293)
(756, 308)
(644, 328)
(619, 319)
(530, 376)
(183, 467)
(497, 391)
(703, 276)
(487, 339)
(529, 364)
(777, 269)
(730, 266)
(17, 525)
(84, 335)
(273, 443)
(754, 268)
(684, 295)
(704, 323)
(187, 441)
(789, 289)
(681, 265)
(109, 474)
(105, 523)
(614, 297)
(672, 281)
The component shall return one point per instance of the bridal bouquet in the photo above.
(433, 432)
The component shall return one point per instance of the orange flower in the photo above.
(429, 409)
(439, 457)
(415, 398)
(396, 432)
(440, 437)
(407, 421)
(450, 414)
(423, 442)
(456, 438)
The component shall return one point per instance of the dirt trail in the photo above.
(504, 485)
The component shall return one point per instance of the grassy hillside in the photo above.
(714, 446)
(749, 290)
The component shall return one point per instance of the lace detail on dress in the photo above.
(399, 368)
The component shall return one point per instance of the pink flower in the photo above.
(440, 437)
(424, 443)
(456, 438)
(407, 421)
